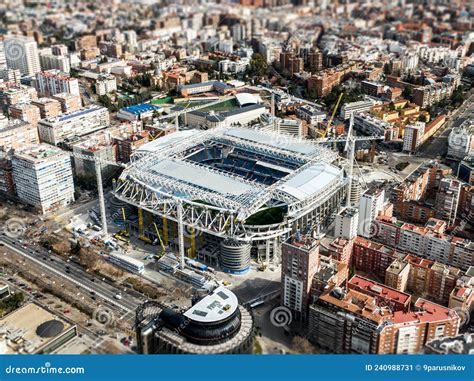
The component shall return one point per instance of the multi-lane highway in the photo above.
(54, 265)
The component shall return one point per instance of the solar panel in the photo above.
(223, 295)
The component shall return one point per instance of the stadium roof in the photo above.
(311, 181)
(201, 177)
(275, 140)
(166, 141)
(163, 170)
(217, 306)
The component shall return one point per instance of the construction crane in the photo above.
(141, 227)
(350, 143)
(328, 128)
(100, 189)
(163, 247)
(123, 235)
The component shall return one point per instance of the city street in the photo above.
(74, 273)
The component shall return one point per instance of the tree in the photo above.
(302, 345)
(457, 99)
(422, 118)
(407, 92)
(11, 303)
(258, 65)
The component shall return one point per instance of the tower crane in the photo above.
(163, 247)
(350, 143)
(328, 128)
(98, 162)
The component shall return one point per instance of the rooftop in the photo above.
(29, 328)
(425, 312)
(40, 153)
(379, 289)
(215, 307)
(140, 108)
(75, 114)
(198, 166)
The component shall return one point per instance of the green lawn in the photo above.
(161, 101)
(230, 104)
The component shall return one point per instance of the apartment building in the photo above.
(429, 242)
(7, 185)
(425, 179)
(310, 115)
(52, 82)
(88, 119)
(341, 250)
(427, 96)
(12, 95)
(462, 295)
(127, 144)
(355, 107)
(26, 112)
(346, 322)
(50, 61)
(43, 177)
(15, 134)
(397, 274)
(371, 125)
(48, 107)
(22, 53)
(395, 299)
(466, 170)
(69, 102)
(331, 273)
(408, 332)
(321, 84)
(10, 75)
(97, 148)
(372, 257)
(371, 203)
(105, 85)
(291, 63)
(447, 199)
(413, 136)
(347, 223)
(356, 322)
(300, 262)
(374, 89)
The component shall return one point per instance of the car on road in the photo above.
(118, 296)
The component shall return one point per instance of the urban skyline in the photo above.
(230, 177)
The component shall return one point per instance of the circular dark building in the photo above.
(216, 324)
(50, 328)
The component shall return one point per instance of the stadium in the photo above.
(242, 190)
